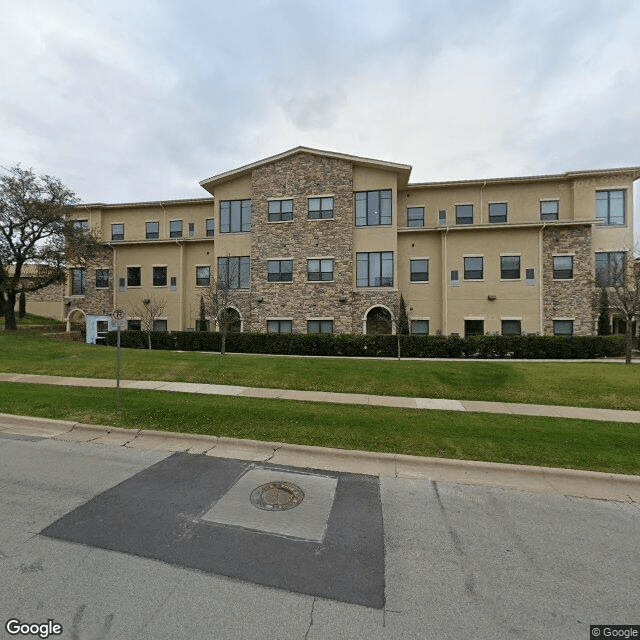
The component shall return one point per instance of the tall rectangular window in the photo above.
(549, 210)
(610, 206)
(175, 229)
(610, 268)
(373, 208)
(464, 214)
(133, 276)
(203, 276)
(419, 270)
(321, 208)
(497, 212)
(510, 267)
(209, 227)
(374, 269)
(473, 268)
(279, 326)
(102, 278)
(279, 270)
(235, 216)
(152, 230)
(234, 272)
(78, 282)
(562, 267)
(319, 326)
(117, 231)
(415, 217)
(320, 269)
(192, 229)
(280, 210)
(159, 276)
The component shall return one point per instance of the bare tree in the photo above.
(619, 276)
(149, 311)
(36, 230)
(221, 296)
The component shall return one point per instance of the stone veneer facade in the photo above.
(95, 301)
(569, 299)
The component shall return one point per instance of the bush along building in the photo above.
(312, 241)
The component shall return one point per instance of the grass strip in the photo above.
(585, 384)
(552, 442)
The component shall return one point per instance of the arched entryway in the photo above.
(231, 318)
(378, 322)
(77, 321)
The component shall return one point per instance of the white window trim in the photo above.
(428, 280)
(320, 318)
(425, 318)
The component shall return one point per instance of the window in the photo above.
(374, 269)
(549, 209)
(174, 283)
(117, 231)
(511, 327)
(203, 276)
(81, 225)
(234, 272)
(78, 282)
(192, 229)
(415, 217)
(419, 270)
(510, 267)
(152, 230)
(280, 210)
(133, 276)
(209, 226)
(134, 325)
(160, 325)
(442, 216)
(610, 206)
(497, 212)
(235, 216)
(464, 214)
(202, 325)
(279, 326)
(563, 327)
(562, 267)
(321, 208)
(610, 268)
(420, 327)
(373, 208)
(319, 326)
(320, 269)
(175, 229)
(473, 268)
(473, 328)
(102, 278)
(279, 270)
(159, 276)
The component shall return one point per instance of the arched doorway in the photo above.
(379, 322)
(77, 321)
(231, 318)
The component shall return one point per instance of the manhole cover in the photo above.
(277, 496)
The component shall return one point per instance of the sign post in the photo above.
(119, 319)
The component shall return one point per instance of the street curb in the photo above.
(567, 482)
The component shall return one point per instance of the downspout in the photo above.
(445, 293)
(484, 184)
(541, 278)
(180, 310)
(115, 276)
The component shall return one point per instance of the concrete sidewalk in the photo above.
(551, 411)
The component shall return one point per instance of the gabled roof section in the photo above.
(403, 170)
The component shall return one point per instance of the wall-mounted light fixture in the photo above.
(492, 296)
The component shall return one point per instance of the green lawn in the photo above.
(588, 384)
(578, 444)
(30, 320)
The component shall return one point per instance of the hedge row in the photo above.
(527, 347)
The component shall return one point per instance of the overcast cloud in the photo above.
(128, 101)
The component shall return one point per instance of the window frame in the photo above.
(101, 279)
(237, 279)
(166, 325)
(544, 215)
(245, 214)
(417, 218)
(419, 333)
(203, 281)
(81, 225)
(560, 320)
(280, 322)
(321, 210)
(606, 221)
(320, 271)
(382, 259)
(493, 216)
(467, 271)
(502, 326)
(134, 321)
(322, 323)
(154, 277)
(557, 272)
(368, 217)
(176, 233)
(209, 228)
(462, 220)
(467, 334)
(152, 235)
(279, 215)
(78, 288)
(116, 237)
(130, 276)
(504, 271)
(413, 273)
(610, 266)
(281, 275)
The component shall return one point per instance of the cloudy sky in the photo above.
(139, 100)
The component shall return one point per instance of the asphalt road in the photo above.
(118, 543)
